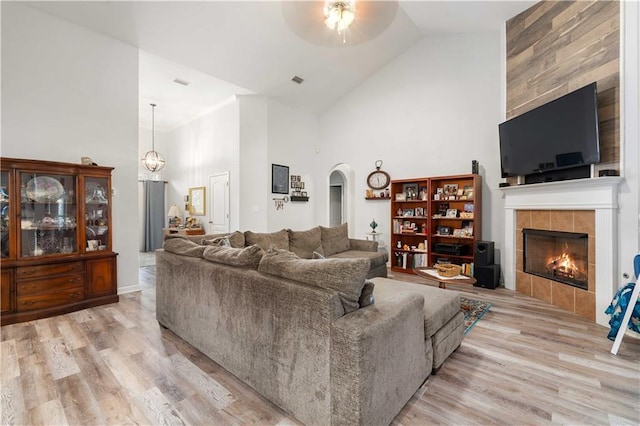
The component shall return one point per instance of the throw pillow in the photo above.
(236, 239)
(183, 247)
(335, 239)
(345, 276)
(303, 243)
(248, 257)
(265, 240)
(220, 241)
(366, 298)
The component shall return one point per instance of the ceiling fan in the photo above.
(338, 22)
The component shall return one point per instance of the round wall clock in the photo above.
(378, 179)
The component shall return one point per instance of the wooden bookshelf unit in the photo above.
(435, 220)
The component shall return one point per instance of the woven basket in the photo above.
(448, 270)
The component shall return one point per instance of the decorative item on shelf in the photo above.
(94, 193)
(191, 222)
(43, 189)
(174, 215)
(474, 167)
(153, 160)
(87, 161)
(379, 179)
(373, 226)
(423, 195)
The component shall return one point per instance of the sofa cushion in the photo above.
(280, 239)
(335, 239)
(183, 247)
(304, 243)
(248, 257)
(376, 258)
(235, 238)
(440, 305)
(345, 276)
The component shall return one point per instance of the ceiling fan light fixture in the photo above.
(340, 14)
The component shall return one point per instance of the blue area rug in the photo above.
(473, 311)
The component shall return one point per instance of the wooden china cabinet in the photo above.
(56, 249)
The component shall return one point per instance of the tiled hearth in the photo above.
(585, 205)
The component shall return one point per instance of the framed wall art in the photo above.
(279, 179)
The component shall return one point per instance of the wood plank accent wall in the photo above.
(556, 47)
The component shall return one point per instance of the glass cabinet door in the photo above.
(96, 214)
(48, 212)
(4, 214)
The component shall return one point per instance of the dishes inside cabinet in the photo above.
(43, 189)
(44, 244)
(94, 193)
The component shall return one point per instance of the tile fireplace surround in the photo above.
(582, 199)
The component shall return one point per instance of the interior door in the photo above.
(219, 203)
(335, 203)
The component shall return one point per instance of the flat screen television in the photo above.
(557, 136)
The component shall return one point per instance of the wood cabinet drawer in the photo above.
(50, 285)
(49, 300)
(48, 270)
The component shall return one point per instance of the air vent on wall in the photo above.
(297, 79)
(182, 82)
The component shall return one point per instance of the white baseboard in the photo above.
(129, 289)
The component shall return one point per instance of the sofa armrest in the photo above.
(378, 360)
(363, 245)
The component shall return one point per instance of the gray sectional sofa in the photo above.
(313, 336)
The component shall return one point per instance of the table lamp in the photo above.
(174, 213)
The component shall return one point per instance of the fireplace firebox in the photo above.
(558, 256)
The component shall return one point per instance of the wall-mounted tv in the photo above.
(558, 140)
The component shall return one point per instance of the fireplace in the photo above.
(586, 206)
(558, 256)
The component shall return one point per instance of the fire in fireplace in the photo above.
(558, 256)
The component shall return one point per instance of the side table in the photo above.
(183, 231)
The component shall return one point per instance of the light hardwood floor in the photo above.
(525, 362)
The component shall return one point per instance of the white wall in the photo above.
(199, 149)
(430, 112)
(629, 218)
(254, 167)
(293, 135)
(66, 93)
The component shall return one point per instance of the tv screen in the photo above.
(559, 135)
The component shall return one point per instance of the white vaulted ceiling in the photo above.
(254, 47)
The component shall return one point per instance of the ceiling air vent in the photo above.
(297, 79)
(182, 82)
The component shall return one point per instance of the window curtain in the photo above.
(154, 214)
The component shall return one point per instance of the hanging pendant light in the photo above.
(153, 160)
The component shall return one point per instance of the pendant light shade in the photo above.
(153, 160)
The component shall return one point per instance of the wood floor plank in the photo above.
(48, 413)
(37, 382)
(80, 407)
(61, 363)
(524, 362)
(11, 401)
(158, 409)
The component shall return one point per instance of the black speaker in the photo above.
(487, 276)
(483, 254)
